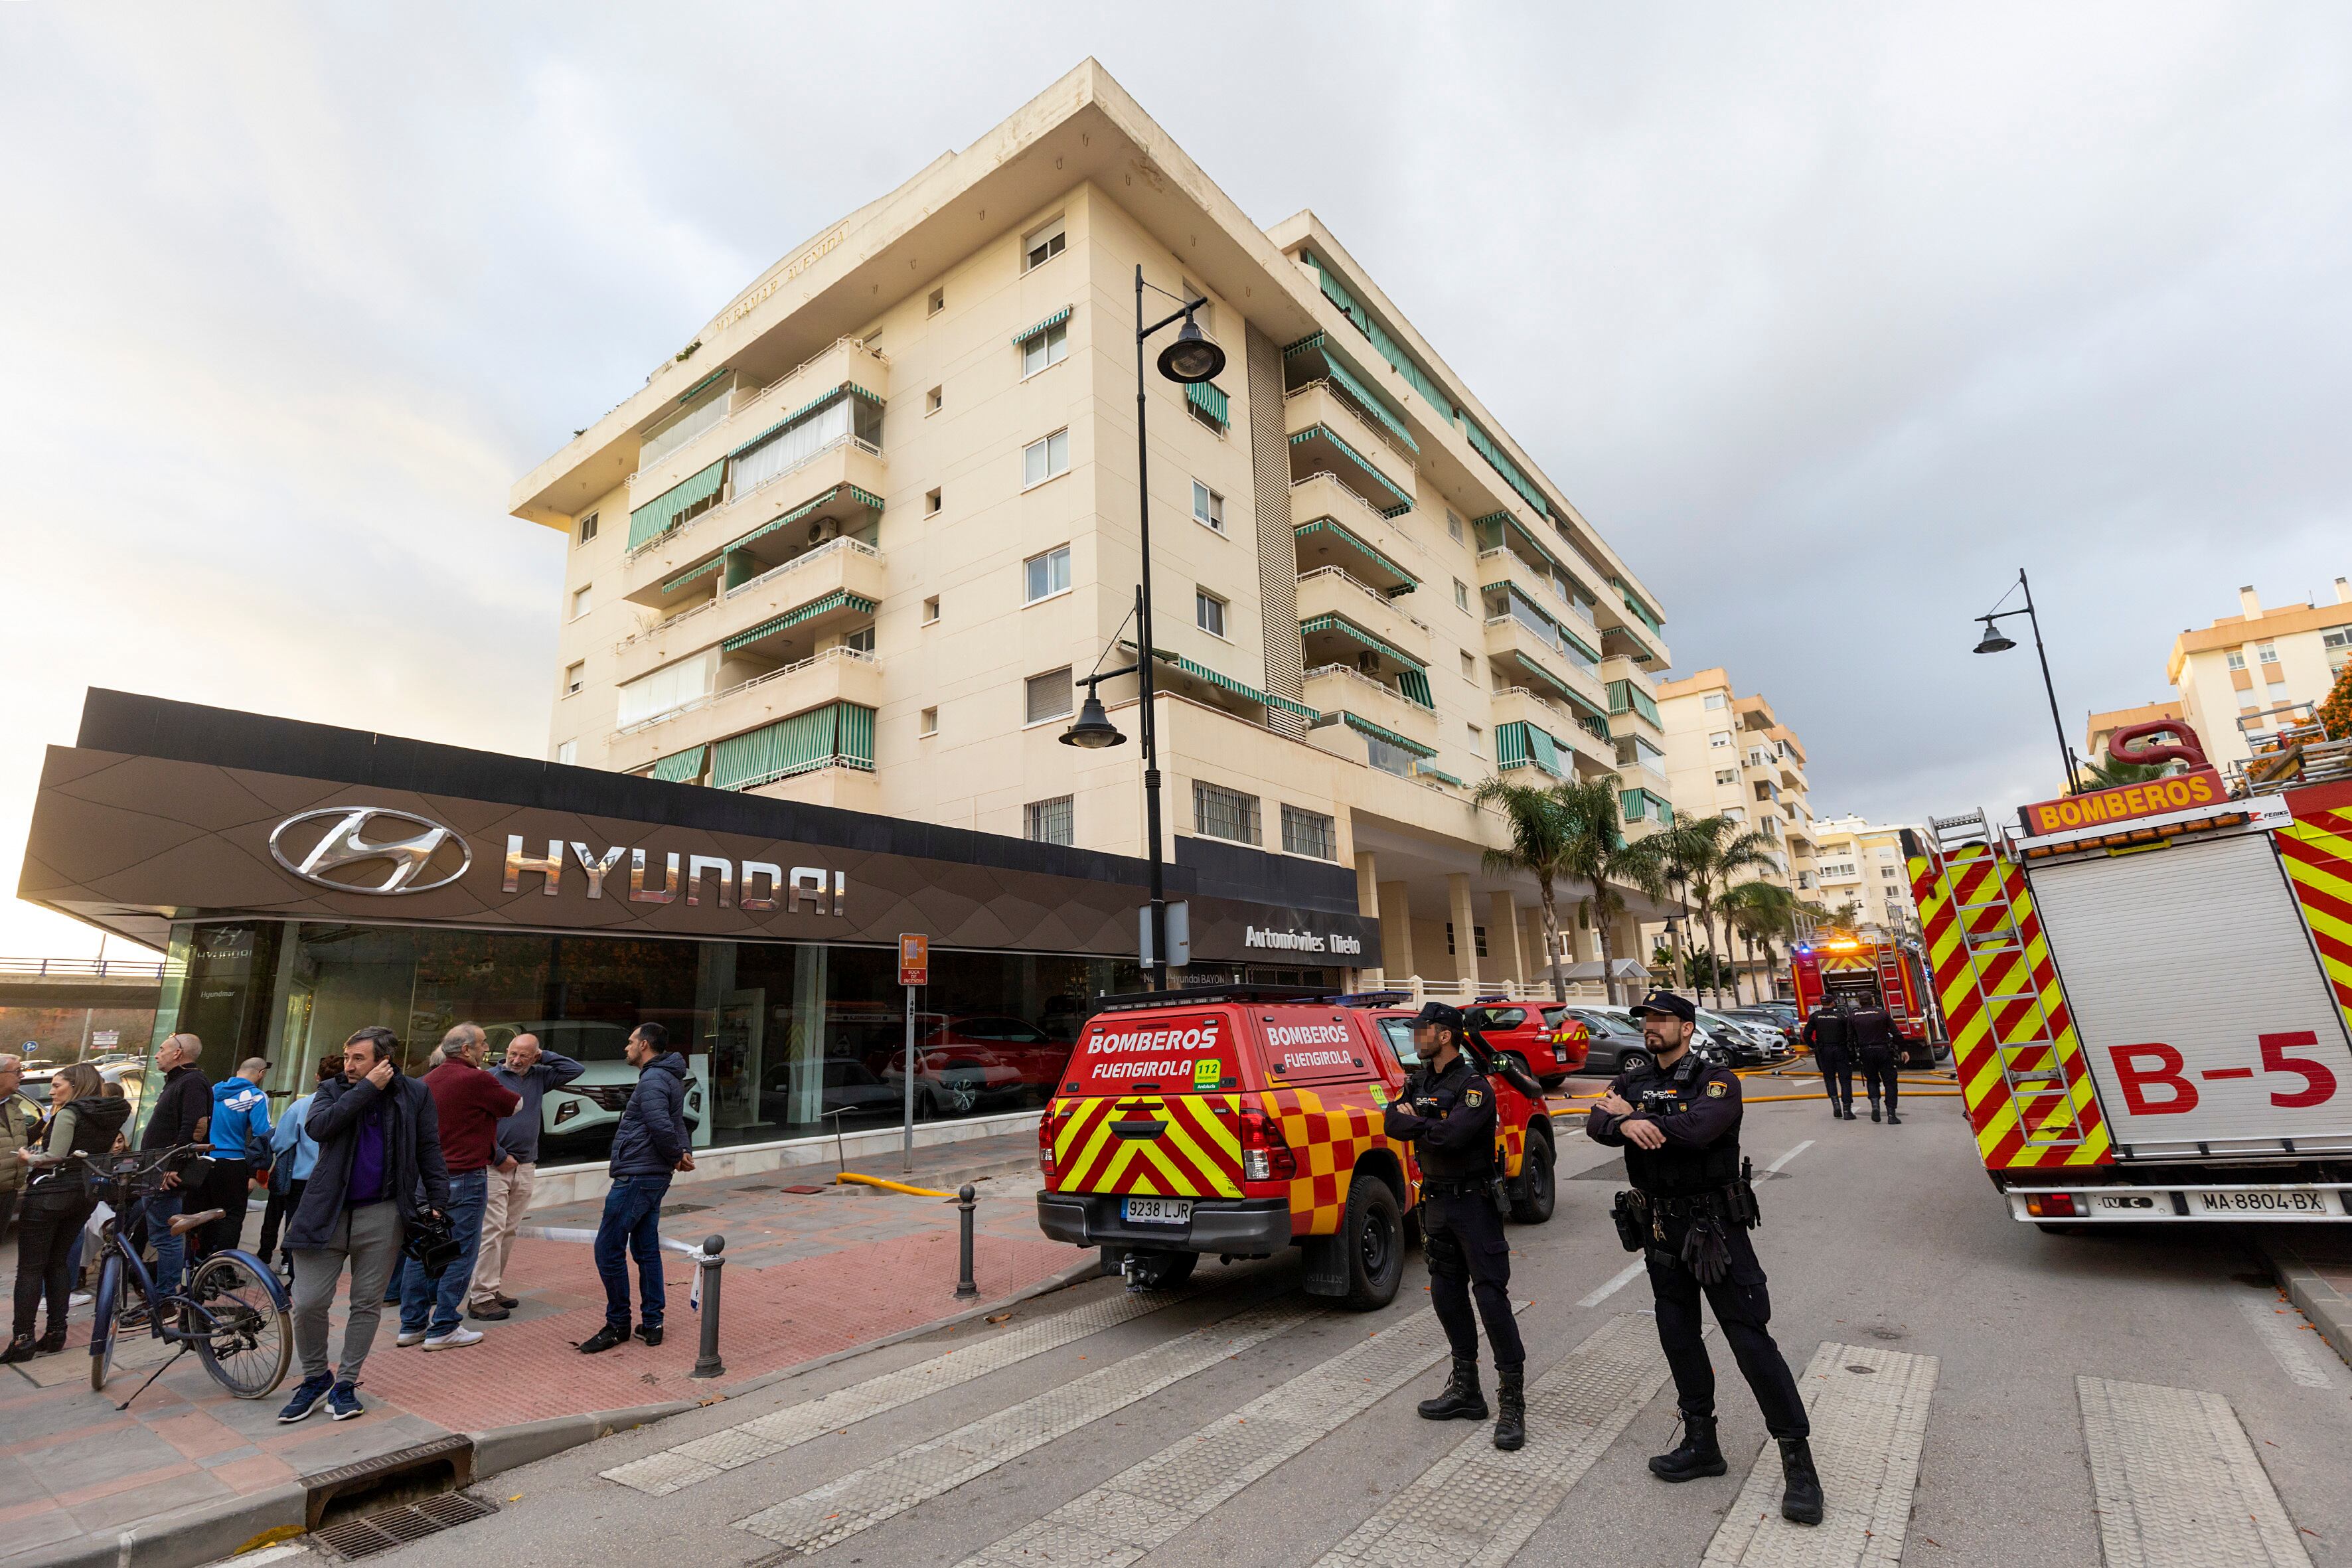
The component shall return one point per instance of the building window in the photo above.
(568, 754)
(1477, 938)
(1712, 701)
(1042, 245)
(1719, 740)
(2269, 652)
(580, 601)
(1208, 612)
(939, 302)
(1041, 350)
(1452, 526)
(2338, 647)
(859, 641)
(1727, 776)
(1469, 668)
(1207, 314)
(1460, 594)
(931, 503)
(1223, 812)
(934, 400)
(588, 528)
(931, 611)
(574, 676)
(931, 722)
(1042, 577)
(1477, 740)
(1736, 814)
(2237, 656)
(1309, 833)
(1048, 696)
(1208, 507)
(1041, 460)
(1047, 821)
(1387, 757)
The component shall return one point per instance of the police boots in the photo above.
(1698, 1455)
(1510, 1408)
(1800, 1502)
(1460, 1399)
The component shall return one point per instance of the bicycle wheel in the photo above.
(247, 1338)
(105, 1332)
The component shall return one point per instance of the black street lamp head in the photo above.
(1094, 730)
(1192, 357)
(1993, 641)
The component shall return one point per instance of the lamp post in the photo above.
(1191, 358)
(1994, 642)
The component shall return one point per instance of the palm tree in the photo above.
(1599, 856)
(1539, 832)
(1761, 911)
(1707, 853)
(2109, 773)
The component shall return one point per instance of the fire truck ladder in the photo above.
(2001, 972)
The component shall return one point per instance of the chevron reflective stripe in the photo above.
(1197, 1153)
(2316, 849)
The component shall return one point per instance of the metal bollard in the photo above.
(965, 1288)
(707, 1363)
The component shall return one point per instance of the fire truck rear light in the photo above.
(1045, 1143)
(2050, 1205)
(1266, 1156)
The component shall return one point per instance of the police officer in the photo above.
(1875, 1047)
(1448, 1116)
(1829, 1034)
(1678, 1123)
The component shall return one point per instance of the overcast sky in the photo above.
(1829, 318)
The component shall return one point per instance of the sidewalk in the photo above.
(807, 1274)
(2312, 1264)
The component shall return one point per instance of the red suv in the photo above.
(1549, 1040)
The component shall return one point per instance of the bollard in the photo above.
(965, 1288)
(707, 1363)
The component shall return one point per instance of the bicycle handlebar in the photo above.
(138, 1167)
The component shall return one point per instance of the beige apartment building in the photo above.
(2246, 673)
(2097, 727)
(857, 542)
(1730, 755)
(1859, 866)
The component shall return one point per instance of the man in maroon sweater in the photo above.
(469, 1103)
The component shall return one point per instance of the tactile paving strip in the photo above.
(863, 1499)
(2176, 1482)
(1480, 1506)
(1147, 1504)
(1869, 1409)
(732, 1447)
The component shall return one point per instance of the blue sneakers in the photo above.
(343, 1402)
(306, 1398)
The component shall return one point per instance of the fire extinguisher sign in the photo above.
(914, 958)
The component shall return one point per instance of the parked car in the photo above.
(1005, 1060)
(1768, 1018)
(1747, 1043)
(1617, 1043)
(130, 1072)
(1547, 1040)
(592, 1102)
(848, 1086)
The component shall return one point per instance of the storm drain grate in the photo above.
(669, 1209)
(370, 1533)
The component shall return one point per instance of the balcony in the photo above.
(840, 485)
(1523, 654)
(1518, 704)
(846, 361)
(1337, 526)
(842, 576)
(1326, 437)
(1631, 705)
(1626, 631)
(837, 675)
(1340, 689)
(1503, 567)
(1331, 591)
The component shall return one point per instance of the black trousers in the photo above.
(1877, 1074)
(1468, 1257)
(1743, 1306)
(46, 1229)
(223, 1185)
(1837, 1076)
(278, 1211)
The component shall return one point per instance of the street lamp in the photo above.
(1995, 642)
(1191, 359)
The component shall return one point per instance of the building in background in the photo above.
(2247, 672)
(2097, 727)
(1859, 877)
(855, 544)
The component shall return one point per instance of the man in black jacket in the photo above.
(182, 1115)
(649, 1144)
(379, 1166)
(1877, 1047)
(1829, 1034)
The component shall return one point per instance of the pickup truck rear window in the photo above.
(1305, 1045)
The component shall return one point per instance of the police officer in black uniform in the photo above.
(1447, 1114)
(1829, 1033)
(1877, 1047)
(1678, 1123)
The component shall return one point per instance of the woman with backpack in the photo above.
(83, 1119)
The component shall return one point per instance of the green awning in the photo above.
(1388, 347)
(1303, 528)
(1521, 745)
(688, 395)
(1055, 319)
(1637, 803)
(659, 515)
(681, 767)
(832, 601)
(1490, 528)
(1307, 344)
(802, 412)
(1641, 612)
(1370, 402)
(1367, 727)
(705, 570)
(1624, 696)
(839, 733)
(786, 519)
(1349, 630)
(1209, 399)
(1324, 432)
(1414, 684)
(1503, 465)
(1227, 682)
(1422, 772)
(1545, 749)
(1543, 615)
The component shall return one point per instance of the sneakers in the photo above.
(343, 1402)
(306, 1399)
(79, 1298)
(408, 1337)
(456, 1339)
(650, 1334)
(605, 1339)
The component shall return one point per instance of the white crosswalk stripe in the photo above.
(1478, 1506)
(715, 1453)
(2177, 1484)
(1869, 1409)
(863, 1499)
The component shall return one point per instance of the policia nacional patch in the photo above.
(1473, 1098)
(1715, 1090)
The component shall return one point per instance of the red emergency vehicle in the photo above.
(1839, 964)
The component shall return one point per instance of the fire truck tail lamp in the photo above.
(1265, 1154)
(2050, 1205)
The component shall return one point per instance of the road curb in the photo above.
(196, 1535)
(2327, 1308)
(509, 1447)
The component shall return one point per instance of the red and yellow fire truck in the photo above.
(1840, 965)
(2149, 991)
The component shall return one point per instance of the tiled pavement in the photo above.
(806, 1275)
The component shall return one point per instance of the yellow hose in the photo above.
(893, 1186)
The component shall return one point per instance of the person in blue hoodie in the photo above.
(240, 1132)
(648, 1146)
(293, 1153)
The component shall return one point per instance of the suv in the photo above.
(1242, 1120)
(1549, 1042)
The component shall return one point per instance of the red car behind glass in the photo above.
(1549, 1041)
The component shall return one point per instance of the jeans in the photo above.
(443, 1300)
(45, 1235)
(509, 1195)
(171, 1251)
(631, 1228)
(368, 1238)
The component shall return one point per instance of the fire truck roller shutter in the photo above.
(2201, 1008)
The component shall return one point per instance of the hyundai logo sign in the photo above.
(370, 850)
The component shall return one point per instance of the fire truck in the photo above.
(1839, 964)
(2148, 990)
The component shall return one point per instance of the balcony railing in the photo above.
(1348, 579)
(1504, 556)
(842, 545)
(1373, 427)
(672, 536)
(667, 714)
(770, 395)
(1360, 678)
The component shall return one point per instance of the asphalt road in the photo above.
(1883, 1243)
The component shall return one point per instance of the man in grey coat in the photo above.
(528, 1072)
(648, 1145)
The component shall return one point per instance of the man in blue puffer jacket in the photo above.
(648, 1146)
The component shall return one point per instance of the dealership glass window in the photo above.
(1223, 812)
(1309, 833)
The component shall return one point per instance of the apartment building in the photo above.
(2246, 673)
(2097, 727)
(1860, 868)
(857, 542)
(1730, 755)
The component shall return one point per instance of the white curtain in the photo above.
(671, 686)
(794, 446)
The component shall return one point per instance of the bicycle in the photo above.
(233, 1311)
